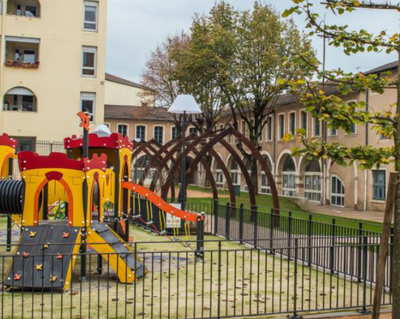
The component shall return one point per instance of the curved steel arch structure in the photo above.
(163, 164)
(218, 138)
(192, 143)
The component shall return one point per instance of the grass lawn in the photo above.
(264, 203)
(178, 285)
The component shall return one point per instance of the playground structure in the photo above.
(92, 180)
(168, 159)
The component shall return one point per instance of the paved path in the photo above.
(346, 212)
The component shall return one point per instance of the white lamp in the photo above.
(185, 104)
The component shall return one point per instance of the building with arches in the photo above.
(53, 66)
(317, 182)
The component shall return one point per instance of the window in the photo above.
(333, 131)
(244, 128)
(159, 134)
(123, 129)
(220, 177)
(26, 144)
(379, 184)
(289, 177)
(383, 136)
(89, 62)
(88, 104)
(353, 127)
(192, 130)
(317, 127)
(25, 56)
(174, 132)
(281, 126)
(337, 195)
(265, 187)
(141, 132)
(20, 99)
(292, 123)
(90, 16)
(270, 126)
(304, 121)
(312, 180)
(30, 11)
(235, 173)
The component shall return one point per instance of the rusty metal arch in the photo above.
(203, 152)
(170, 154)
(150, 146)
(164, 149)
(209, 174)
(225, 171)
(231, 131)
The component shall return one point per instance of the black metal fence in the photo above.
(230, 281)
(272, 231)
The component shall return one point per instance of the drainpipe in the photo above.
(2, 60)
(324, 164)
(366, 143)
(274, 143)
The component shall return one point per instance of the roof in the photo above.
(142, 113)
(384, 68)
(116, 79)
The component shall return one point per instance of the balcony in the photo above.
(24, 8)
(22, 52)
(20, 99)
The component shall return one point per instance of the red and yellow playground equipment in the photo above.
(92, 178)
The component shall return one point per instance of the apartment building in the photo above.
(52, 65)
(120, 91)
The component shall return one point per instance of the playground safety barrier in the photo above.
(229, 281)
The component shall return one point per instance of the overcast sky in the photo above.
(135, 27)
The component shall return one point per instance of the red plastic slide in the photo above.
(161, 204)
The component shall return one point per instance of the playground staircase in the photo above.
(43, 258)
(119, 255)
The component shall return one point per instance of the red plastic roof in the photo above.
(6, 141)
(30, 160)
(114, 141)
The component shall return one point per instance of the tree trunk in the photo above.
(254, 174)
(396, 248)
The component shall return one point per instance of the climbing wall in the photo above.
(44, 257)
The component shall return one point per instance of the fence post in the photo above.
(359, 252)
(289, 234)
(310, 233)
(332, 253)
(390, 264)
(271, 231)
(241, 223)
(365, 265)
(9, 232)
(254, 212)
(51, 147)
(215, 217)
(200, 236)
(296, 256)
(228, 221)
(219, 279)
